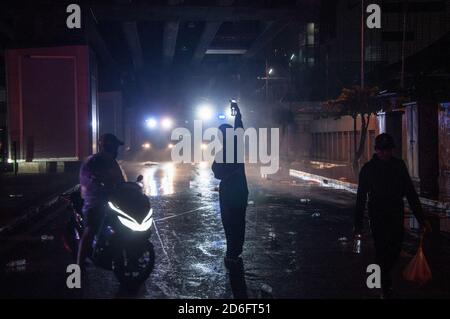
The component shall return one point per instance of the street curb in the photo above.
(352, 187)
(33, 211)
(324, 181)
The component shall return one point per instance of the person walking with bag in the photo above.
(384, 181)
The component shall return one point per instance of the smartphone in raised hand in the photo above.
(234, 107)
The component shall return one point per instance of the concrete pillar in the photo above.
(332, 147)
(444, 152)
(428, 147)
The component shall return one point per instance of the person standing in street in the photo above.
(384, 181)
(233, 195)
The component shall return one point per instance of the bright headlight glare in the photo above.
(205, 112)
(166, 123)
(151, 122)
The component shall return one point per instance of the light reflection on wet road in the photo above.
(158, 179)
(291, 251)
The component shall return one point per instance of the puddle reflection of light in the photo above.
(323, 165)
(158, 180)
(167, 179)
(204, 176)
(203, 268)
(203, 165)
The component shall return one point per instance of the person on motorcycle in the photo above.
(99, 175)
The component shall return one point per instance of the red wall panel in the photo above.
(49, 105)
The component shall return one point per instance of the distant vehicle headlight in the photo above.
(205, 112)
(151, 122)
(166, 123)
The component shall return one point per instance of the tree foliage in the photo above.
(354, 102)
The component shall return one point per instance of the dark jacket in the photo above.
(385, 184)
(233, 188)
(99, 175)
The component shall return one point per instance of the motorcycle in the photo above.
(123, 241)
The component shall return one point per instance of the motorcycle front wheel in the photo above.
(133, 266)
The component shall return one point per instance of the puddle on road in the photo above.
(159, 179)
(169, 178)
(212, 248)
(204, 268)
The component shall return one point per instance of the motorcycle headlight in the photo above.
(130, 222)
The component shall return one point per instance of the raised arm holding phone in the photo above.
(233, 194)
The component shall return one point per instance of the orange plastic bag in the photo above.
(418, 270)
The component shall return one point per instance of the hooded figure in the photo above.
(233, 195)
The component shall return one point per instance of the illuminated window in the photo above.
(310, 33)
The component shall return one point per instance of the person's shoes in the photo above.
(232, 262)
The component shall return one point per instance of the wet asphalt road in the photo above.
(294, 245)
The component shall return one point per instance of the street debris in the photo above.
(305, 200)
(357, 244)
(17, 265)
(15, 195)
(266, 292)
(150, 163)
(315, 215)
(272, 236)
(47, 237)
(250, 202)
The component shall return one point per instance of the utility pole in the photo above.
(362, 71)
(362, 44)
(402, 74)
